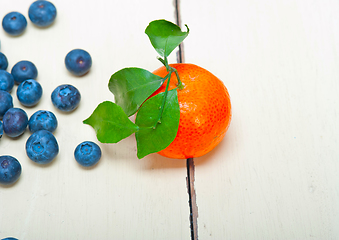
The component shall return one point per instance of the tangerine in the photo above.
(205, 111)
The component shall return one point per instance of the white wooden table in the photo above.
(275, 174)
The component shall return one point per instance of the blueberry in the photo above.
(6, 81)
(15, 122)
(87, 153)
(6, 102)
(42, 13)
(3, 61)
(78, 62)
(42, 147)
(29, 92)
(42, 120)
(10, 170)
(1, 129)
(9, 238)
(24, 70)
(66, 97)
(14, 23)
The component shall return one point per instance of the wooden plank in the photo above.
(122, 197)
(274, 176)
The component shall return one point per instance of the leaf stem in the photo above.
(163, 101)
(180, 84)
(166, 64)
(162, 61)
(171, 70)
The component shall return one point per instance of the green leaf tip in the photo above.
(165, 36)
(132, 86)
(157, 119)
(110, 123)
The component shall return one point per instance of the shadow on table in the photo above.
(126, 151)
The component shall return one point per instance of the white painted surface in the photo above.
(275, 175)
(122, 197)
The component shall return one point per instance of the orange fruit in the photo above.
(205, 111)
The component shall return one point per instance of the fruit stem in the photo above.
(171, 70)
(163, 101)
(180, 84)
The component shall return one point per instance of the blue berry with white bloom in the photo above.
(66, 97)
(87, 154)
(10, 170)
(29, 92)
(42, 147)
(6, 102)
(6, 81)
(3, 61)
(42, 13)
(15, 122)
(24, 70)
(42, 120)
(78, 62)
(14, 23)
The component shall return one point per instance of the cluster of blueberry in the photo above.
(41, 147)
(41, 13)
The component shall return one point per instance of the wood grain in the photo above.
(274, 176)
(122, 197)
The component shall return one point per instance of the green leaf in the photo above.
(110, 123)
(150, 139)
(132, 86)
(165, 36)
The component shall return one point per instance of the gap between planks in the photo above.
(190, 161)
(192, 198)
